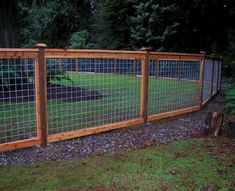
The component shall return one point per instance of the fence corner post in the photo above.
(41, 94)
(201, 80)
(144, 84)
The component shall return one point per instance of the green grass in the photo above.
(120, 101)
(186, 165)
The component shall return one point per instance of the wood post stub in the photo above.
(144, 85)
(41, 94)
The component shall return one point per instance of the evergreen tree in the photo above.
(113, 24)
(153, 25)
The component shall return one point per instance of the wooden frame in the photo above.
(93, 130)
(19, 144)
(173, 113)
(41, 53)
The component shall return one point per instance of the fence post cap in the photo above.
(202, 52)
(41, 45)
(145, 49)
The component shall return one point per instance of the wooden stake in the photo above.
(41, 94)
(144, 85)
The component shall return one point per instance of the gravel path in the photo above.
(162, 132)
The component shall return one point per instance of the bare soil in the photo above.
(59, 92)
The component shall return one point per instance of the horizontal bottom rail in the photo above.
(173, 113)
(19, 144)
(93, 130)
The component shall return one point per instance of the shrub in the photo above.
(230, 100)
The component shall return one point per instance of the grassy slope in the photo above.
(121, 101)
(187, 165)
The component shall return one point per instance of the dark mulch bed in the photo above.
(54, 91)
(162, 132)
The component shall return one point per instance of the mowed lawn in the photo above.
(120, 101)
(198, 164)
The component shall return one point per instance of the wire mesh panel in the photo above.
(215, 77)
(219, 75)
(17, 100)
(78, 100)
(173, 85)
(207, 79)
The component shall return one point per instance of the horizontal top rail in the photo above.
(87, 53)
(95, 53)
(175, 56)
(18, 53)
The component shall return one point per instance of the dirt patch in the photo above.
(54, 91)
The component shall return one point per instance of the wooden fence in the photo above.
(162, 85)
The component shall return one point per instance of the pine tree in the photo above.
(152, 26)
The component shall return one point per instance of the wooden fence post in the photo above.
(41, 94)
(144, 85)
(201, 81)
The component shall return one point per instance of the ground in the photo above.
(197, 164)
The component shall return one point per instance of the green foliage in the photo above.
(12, 76)
(80, 40)
(230, 100)
(229, 56)
(53, 22)
(151, 25)
(113, 24)
(55, 72)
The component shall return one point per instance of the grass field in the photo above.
(120, 101)
(198, 164)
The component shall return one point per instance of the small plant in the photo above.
(230, 100)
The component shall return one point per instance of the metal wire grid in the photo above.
(219, 75)
(215, 77)
(175, 85)
(207, 79)
(17, 100)
(78, 100)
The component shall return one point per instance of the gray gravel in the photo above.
(121, 140)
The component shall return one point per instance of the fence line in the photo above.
(48, 95)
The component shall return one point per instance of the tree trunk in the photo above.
(9, 24)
